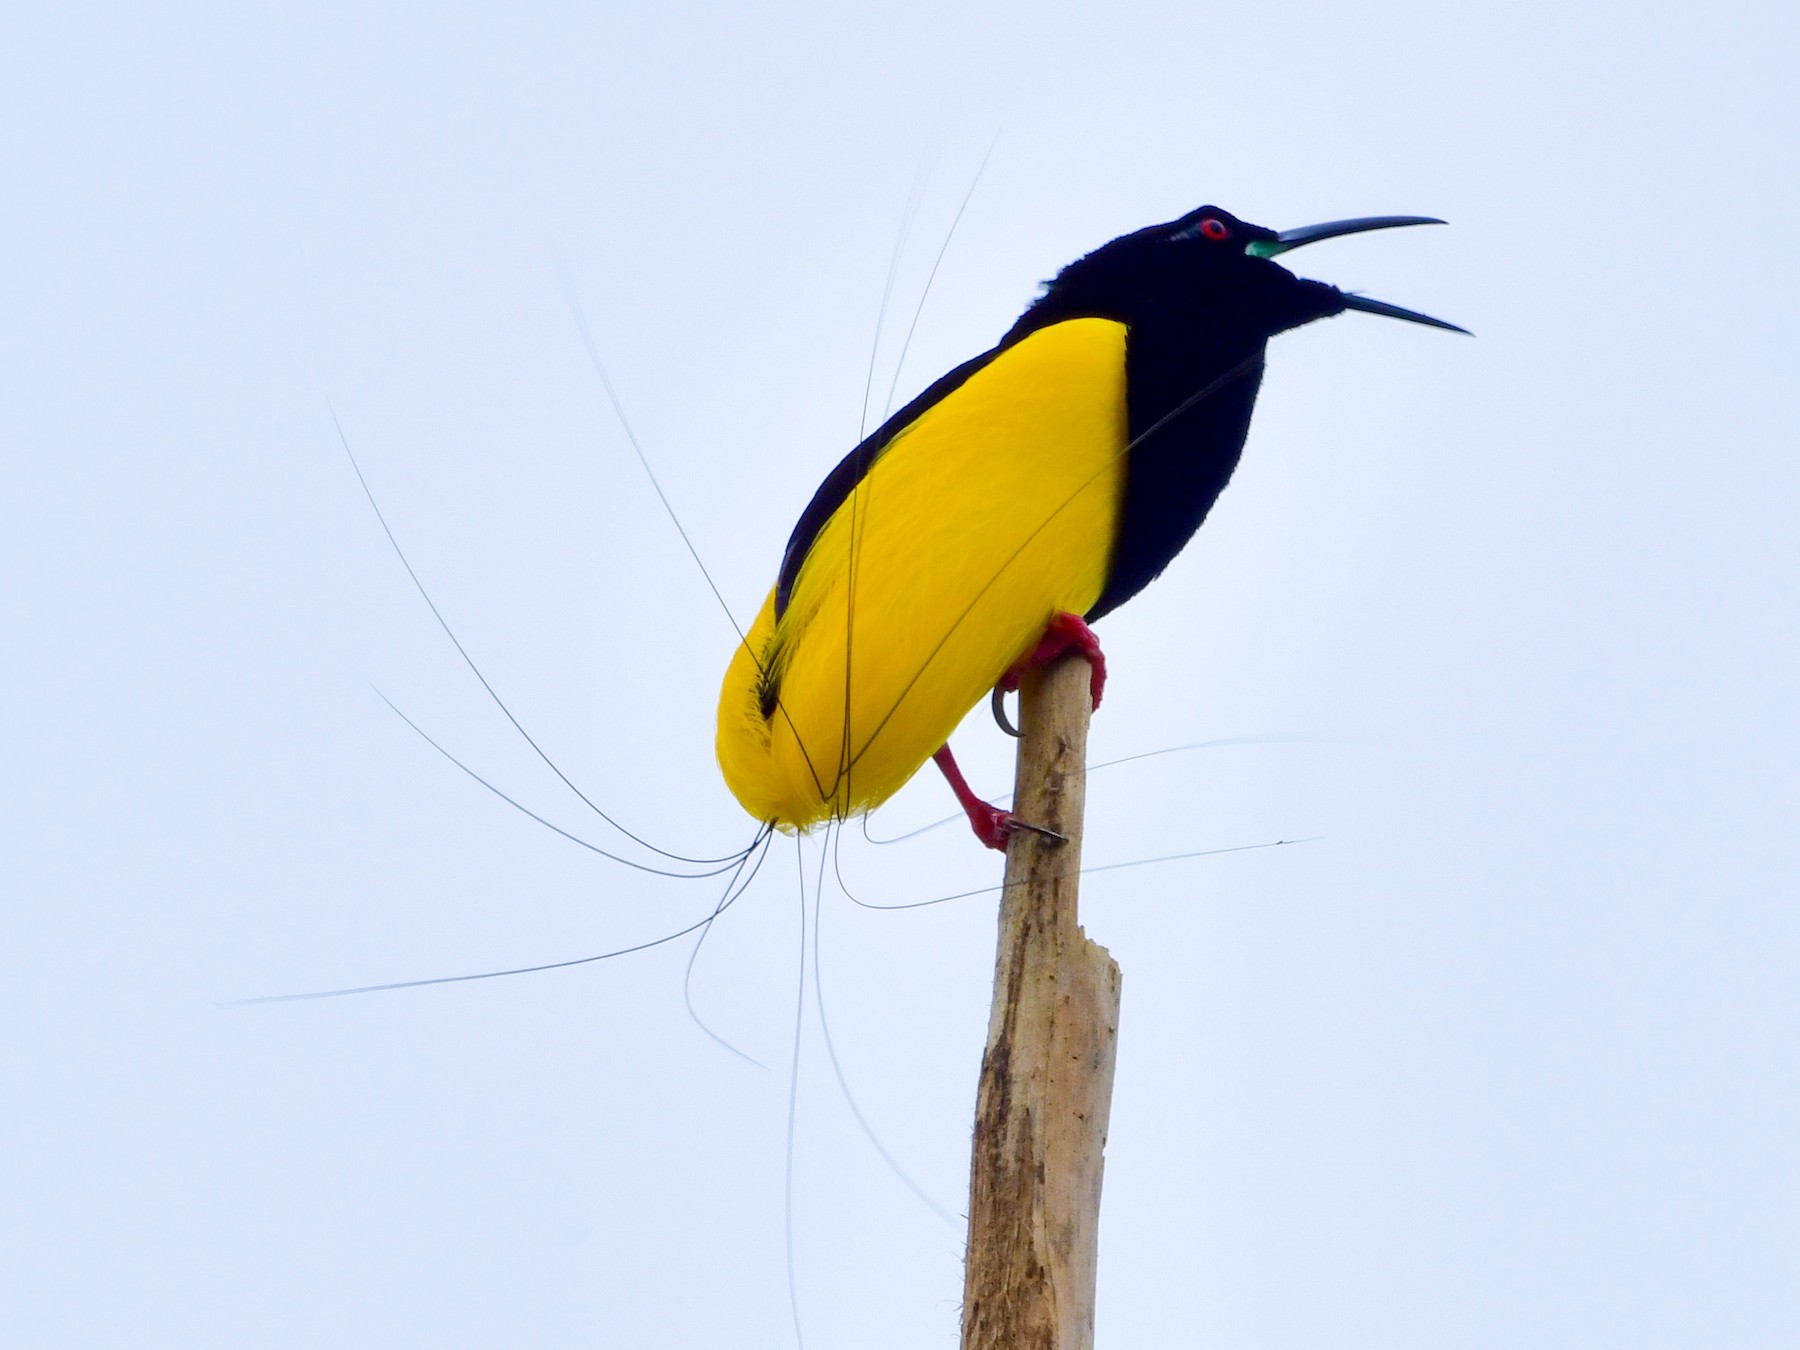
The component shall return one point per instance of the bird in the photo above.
(1020, 498)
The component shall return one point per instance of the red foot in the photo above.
(1063, 634)
(991, 825)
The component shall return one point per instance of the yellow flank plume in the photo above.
(995, 509)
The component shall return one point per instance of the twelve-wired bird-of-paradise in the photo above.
(1027, 493)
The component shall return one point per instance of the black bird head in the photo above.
(1209, 270)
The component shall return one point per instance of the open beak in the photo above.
(1332, 229)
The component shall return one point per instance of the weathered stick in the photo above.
(1047, 1075)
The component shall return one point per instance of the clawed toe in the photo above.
(1064, 633)
(993, 826)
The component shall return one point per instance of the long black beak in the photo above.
(1332, 229)
(1365, 305)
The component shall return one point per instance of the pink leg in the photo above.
(1063, 634)
(990, 823)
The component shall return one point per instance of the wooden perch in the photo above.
(1047, 1075)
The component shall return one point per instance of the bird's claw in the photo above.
(995, 827)
(1064, 633)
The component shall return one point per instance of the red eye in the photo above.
(1215, 229)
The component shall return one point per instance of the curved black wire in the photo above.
(924, 295)
(687, 995)
(727, 864)
(1091, 768)
(469, 661)
(837, 1068)
(731, 897)
(612, 396)
(861, 485)
(793, 1111)
(887, 289)
(1086, 871)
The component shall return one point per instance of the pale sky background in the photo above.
(1506, 1058)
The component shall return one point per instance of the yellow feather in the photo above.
(990, 513)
